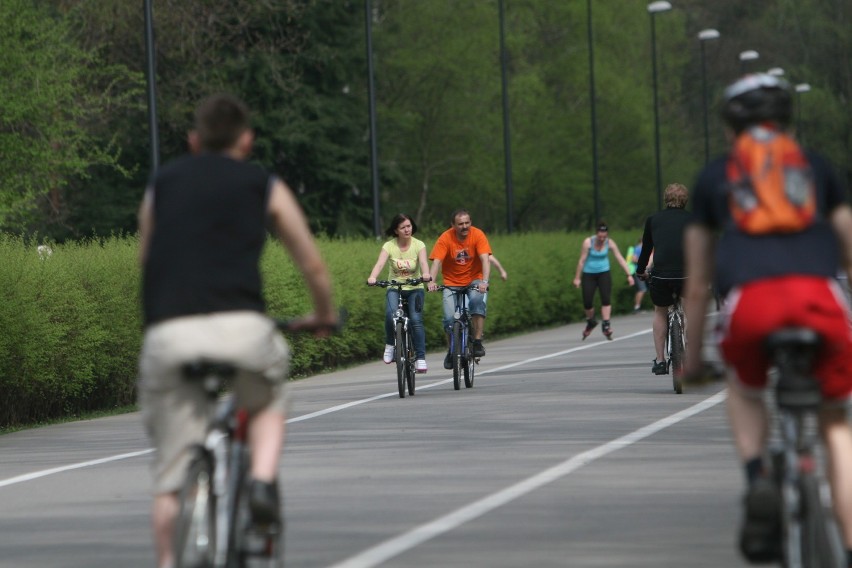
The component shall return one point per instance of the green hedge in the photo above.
(71, 326)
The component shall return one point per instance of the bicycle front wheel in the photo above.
(401, 357)
(195, 528)
(458, 354)
(677, 352)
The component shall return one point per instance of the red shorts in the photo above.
(756, 309)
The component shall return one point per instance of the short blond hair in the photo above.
(676, 195)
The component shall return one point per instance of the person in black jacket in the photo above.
(663, 237)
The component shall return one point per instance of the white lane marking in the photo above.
(43, 473)
(406, 541)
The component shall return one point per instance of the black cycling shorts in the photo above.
(662, 291)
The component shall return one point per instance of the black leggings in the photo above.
(601, 281)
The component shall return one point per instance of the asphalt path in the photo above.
(565, 453)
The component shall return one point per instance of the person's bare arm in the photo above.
(620, 258)
(499, 267)
(841, 221)
(485, 259)
(435, 271)
(584, 252)
(383, 258)
(698, 248)
(292, 228)
(146, 224)
(424, 265)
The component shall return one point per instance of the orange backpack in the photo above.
(771, 184)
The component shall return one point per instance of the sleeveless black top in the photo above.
(208, 234)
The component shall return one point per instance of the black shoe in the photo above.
(264, 503)
(478, 348)
(660, 368)
(590, 325)
(760, 536)
(448, 361)
(606, 329)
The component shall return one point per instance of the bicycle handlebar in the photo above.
(649, 275)
(399, 283)
(307, 323)
(458, 288)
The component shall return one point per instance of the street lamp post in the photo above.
(507, 148)
(655, 8)
(593, 112)
(705, 35)
(800, 88)
(748, 55)
(371, 96)
(151, 76)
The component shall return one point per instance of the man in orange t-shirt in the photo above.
(462, 251)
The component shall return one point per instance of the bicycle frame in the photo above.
(403, 336)
(811, 537)
(219, 472)
(222, 460)
(464, 363)
(676, 343)
(675, 348)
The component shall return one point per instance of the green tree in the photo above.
(54, 94)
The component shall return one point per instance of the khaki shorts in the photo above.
(176, 410)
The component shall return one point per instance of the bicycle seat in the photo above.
(793, 338)
(793, 351)
(214, 374)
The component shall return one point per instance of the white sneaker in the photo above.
(388, 356)
(420, 366)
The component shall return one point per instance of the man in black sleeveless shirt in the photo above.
(203, 224)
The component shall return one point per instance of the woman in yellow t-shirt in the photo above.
(406, 258)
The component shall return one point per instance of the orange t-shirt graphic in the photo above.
(460, 262)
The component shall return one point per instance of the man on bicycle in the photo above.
(772, 280)
(663, 237)
(202, 225)
(463, 252)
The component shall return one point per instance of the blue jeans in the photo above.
(415, 318)
(476, 303)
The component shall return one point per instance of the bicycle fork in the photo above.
(458, 317)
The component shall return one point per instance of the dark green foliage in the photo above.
(301, 65)
(72, 327)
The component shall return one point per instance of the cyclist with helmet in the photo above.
(770, 281)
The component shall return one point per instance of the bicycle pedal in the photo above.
(261, 541)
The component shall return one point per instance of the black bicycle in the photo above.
(675, 349)
(461, 345)
(403, 336)
(214, 528)
(810, 533)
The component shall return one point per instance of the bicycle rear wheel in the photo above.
(458, 338)
(401, 357)
(195, 528)
(410, 370)
(821, 544)
(677, 352)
